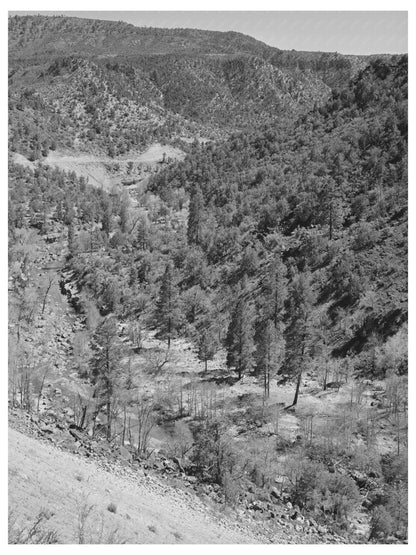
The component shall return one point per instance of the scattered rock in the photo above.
(179, 463)
(298, 528)
(360, 478)
(69, 412)
(275, 493)
(169, 465)
(367, 504)
(47, 429)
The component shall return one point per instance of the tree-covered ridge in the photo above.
(71, 35)
(76, 104)
(62, 34)
(74, 82)
(332, 191)
(122, 105)
(40, 37)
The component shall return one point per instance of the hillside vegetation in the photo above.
(123, 87)
(236, 312)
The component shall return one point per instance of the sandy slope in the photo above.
(41, 476)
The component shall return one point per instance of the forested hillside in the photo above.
(251, 298)
(74, 82)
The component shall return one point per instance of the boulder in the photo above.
(76, 434)
(46, 429)
(333, 385)
(360, 478)
(125, 453)
(179, 463)
(69, 412)
(256, 506)
(367, 504)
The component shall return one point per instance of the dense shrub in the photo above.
(212, 453)
(329, 494)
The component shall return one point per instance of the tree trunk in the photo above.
(295, 400)
(298, 382)
(268, 382)
(41, 388)
(330, 221)
(123, 435)
(83, 415)
(325, 376)
(108, 419)
(46, 294)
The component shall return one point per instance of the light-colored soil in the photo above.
(84, 165)
(322, 411)
(22, 160)
(147, 511)
(94, 167)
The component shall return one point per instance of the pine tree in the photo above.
(270, 349)
(105, 366)
(299, 327)
(332, 205)
(269, 336)
(71, 240)
(167, 313)
(207, 338)
(207, 346)
(321, 346)
(273, 292)
(240, 335)
(106, 218)
(124, 212)
(195, 218)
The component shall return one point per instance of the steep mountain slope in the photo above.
(331, 189)
(73, 79)
(146, 511)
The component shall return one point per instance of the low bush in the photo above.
(212, 453)
(381, 524)
(112, 508)
(314, 488)
(35, 533)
